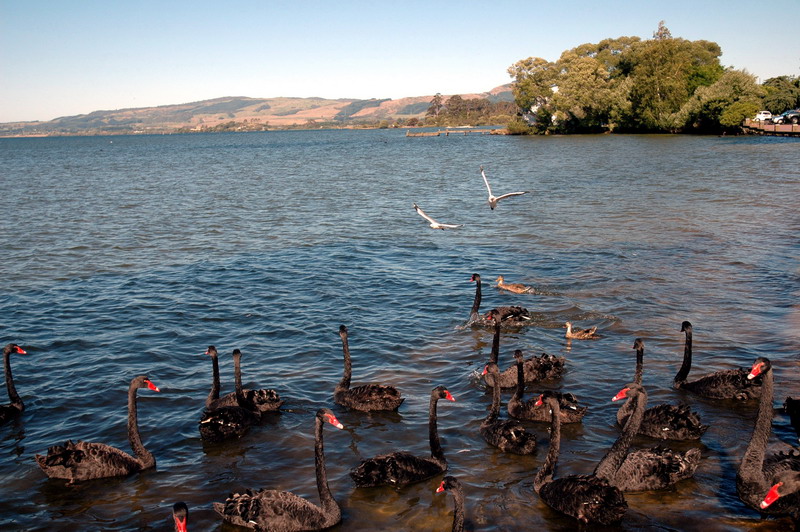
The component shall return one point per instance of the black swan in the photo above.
(662, 422)
(725, 384)
(584, 497)
(366, 397)
(792, 408)
(282, 510)
(534, 369)
(180, 515)
(580, 334)
(757, 470)
(511, 317)
(230, 420)
(261, 401)
(16, 407)
(400, 468)
(452, 485)
(85, 461)
(507, 435)
(643, 469)
(521, 409)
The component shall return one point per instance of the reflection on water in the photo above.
(133, 257)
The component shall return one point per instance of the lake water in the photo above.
(130, 255)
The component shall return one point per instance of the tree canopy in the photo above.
(664, 84)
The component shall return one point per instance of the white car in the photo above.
(763, 115)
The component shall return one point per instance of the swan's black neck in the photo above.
(613, 459)
(141, 453)
(213, 395)
(237, 374)
(683, 373)
(637, 377)
(545, 473)
(348, 368)
(433, 432)
(16, 401)
(329, 504)
(458, 509)
(494, 412)
(495, 355)
(476, 303)
(520, 390)
(752, 468)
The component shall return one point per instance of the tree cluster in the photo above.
(458, 111)
(664, 84)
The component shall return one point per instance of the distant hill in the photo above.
(246, 113)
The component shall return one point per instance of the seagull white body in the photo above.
(494, 199)
(433, 223)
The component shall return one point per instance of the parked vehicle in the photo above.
(763, 115)
(791, 116)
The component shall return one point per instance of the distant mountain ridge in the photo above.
(256, 112)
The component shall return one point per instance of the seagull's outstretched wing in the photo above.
(433, 223)
(511, 194)
(486, 181)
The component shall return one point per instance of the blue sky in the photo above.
(60, 58)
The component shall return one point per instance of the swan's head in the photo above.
(236, 353)
(629, 390)
(448, 483)
(686, 327)
(325, 414)
(785, 483)
(13, 348)
(442, 393)
(518, 355)
(180, 513)
(342, 330)
(548, 398)
(143, 382)
(475, 278)
(760, 366)
(638, 344)
(211, 351)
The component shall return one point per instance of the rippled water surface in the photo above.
(130, 255)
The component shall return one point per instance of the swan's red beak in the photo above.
(756, 370)
(440, 488)
(485, 370)
(21, 351)
(772, 495)
(152, 386)
(539, 401)
(333, 421)
(623, 393)
(449, 396)
(180, 524)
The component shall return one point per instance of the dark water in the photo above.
(130, 255)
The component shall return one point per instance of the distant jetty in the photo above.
(457, 131)
(760, 127)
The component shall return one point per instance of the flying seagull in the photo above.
(494, 199)
(433, 223)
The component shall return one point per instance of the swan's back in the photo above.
(570, 410)
(369, 397)
(509, 436)
(396, 469)
(586, 498)
(535, 369)
(655, 468)
(226, 423)
(725, 384)
(86, 461)
(668, 422)
(278, 511)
